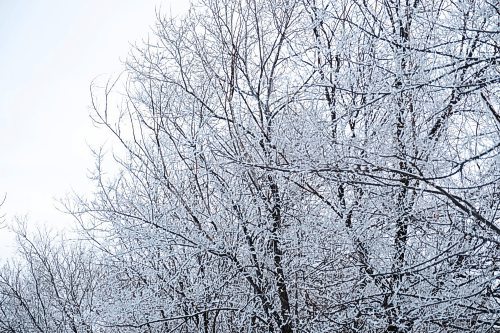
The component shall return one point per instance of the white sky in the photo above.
(50, 51)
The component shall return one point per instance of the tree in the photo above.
(304, 166)
(49, 287)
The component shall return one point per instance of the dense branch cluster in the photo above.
(289, 166)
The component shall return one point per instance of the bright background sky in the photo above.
(50, 51)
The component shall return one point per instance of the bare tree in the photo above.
(293, 166)
(49, 287)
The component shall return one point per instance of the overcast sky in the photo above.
(50, 51)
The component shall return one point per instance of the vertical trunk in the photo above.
(401, 20)
(286, 326)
